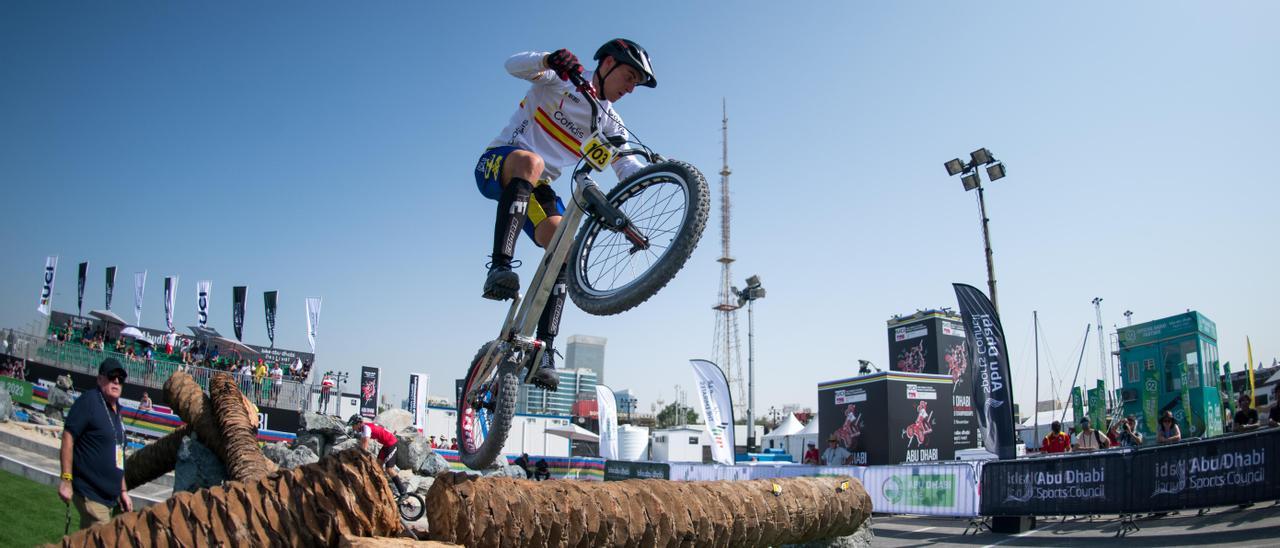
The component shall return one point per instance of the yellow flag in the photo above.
(1249, 345)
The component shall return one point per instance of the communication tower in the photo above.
(727, 346)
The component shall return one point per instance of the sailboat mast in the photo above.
(1035, 406)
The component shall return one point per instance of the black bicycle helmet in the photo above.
(630, 53)
(354, 420)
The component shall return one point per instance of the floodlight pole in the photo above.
(986, 240)
(751, 374)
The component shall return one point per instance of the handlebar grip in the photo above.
(582, 84)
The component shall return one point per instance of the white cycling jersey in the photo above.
(554, 119)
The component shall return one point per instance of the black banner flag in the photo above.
(368, 391)
(237, 310)
(84, 271)
(992, 389)
(269, 301)
(111, 284)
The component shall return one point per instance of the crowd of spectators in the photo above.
(440, 444)
(14, 367)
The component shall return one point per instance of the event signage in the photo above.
(46, 291)
(938, 490)
(19, 390)
(170, 300)
(269, 305)
(313, 320)
(887, 418)
(111, 284)
(1086, 484)
(80, 279)
(1077, 409)
(617, 470)
(204, 292)
(607, 407)
(368, 391)
(1151, 400)
(717, 409)
(1231, 393)
(1213, 472)
(992, 396)
(139, 288)
(1192, 430)
(417, 395)
(1097, 407)
(238, 294)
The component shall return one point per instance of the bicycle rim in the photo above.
(657, 205)
(411, 507)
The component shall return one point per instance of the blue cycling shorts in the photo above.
(542, 204)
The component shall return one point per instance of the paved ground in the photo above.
(1226, 526)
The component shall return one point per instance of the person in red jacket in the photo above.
(365, 431)
(1056, 441)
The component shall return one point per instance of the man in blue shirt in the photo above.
(93, 450)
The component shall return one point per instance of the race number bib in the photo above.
(597, 151)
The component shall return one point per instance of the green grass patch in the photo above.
(31, 512)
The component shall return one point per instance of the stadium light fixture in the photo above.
(954, 166)
(971, 178)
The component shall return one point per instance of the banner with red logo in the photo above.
(368, 391)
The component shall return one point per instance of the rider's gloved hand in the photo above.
(563, 62)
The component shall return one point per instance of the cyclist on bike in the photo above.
(544, 136)
(387, 455)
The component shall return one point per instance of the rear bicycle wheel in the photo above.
(411, 506)
(487, 405)
(668, 203)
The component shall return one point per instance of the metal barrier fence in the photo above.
(75, 356)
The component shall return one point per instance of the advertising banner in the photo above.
(369, 392)
(19, 390)
(1150, 401)
(1193, 429)
(170, 300)
(911, 348)
(1077, 409)
(856, 413)
(139, 289)
(1073, 485)
(918, 407)
(417, 396)
(607, 407)
(204, 293)
(1214, 472)
(313, 320)
(111, 284)
(45, 305)
(933, 490)
(238, 295)
(1231, 392)
(269, 305)
(717, 408)
(992, 396)
(618, 470)
(1097, 409)
(955, 356)
(80, 280)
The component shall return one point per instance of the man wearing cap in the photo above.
(834, 455)
(92, 452)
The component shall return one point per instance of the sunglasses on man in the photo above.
(117, 377)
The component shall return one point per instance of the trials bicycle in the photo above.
(632, 242)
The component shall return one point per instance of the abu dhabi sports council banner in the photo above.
(992, 395)
(932, 490)
(170, 300)
(269, 305)
(717, 408)
(46, 292)
(80, 279)
(111, 285)
(139, 288)
(1076, 484)
(204, 293)
(607, 407)
(313, 320)
(368, 392)
(238, 295)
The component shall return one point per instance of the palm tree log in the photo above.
(500, 511)
(317, 504)
(239, 430)
(155, 459)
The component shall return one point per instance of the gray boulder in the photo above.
(424, 484)
(510, 471)
(323, 424)
(37, 418)
(395, 420)
(63, 382)
(59, 399)
(411, 450)
(299, 457)
(197, 467)
(6, 406)
(314, 442)
(864, 537)
(433, 464)
(276, 452)
(374, 446)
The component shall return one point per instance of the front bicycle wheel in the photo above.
(487, 405)
(668, 203)
(411, 506)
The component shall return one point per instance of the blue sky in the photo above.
(325, 149)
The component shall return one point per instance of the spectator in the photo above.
(811, 454)
(523, 462)
(1168, 431)
(1056, 441)
(1089, 439)
(277, 377)
(92, 454)
(327, 385)
(1246, 417)
(1113, 432)
(145, 403)
(543, 471)
(295, 369)
(834, 455)
(432, 440)
(453, 444)
(1127, 434)
(1273, 418)
(246, 378)
(260, 379)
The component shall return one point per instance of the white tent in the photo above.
(797, 443)
(574, 432)
(780, 437)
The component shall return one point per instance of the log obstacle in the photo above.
(499, 511)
